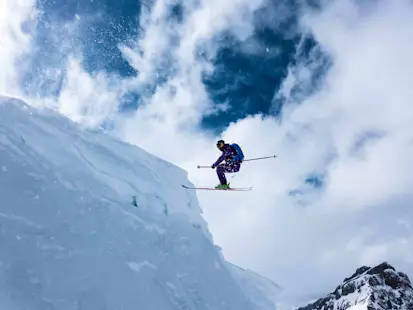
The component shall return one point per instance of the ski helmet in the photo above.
(220, 144)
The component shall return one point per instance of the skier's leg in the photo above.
(222, 169)
(235, 168)
(221, 174)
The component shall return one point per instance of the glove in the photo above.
(213, 166)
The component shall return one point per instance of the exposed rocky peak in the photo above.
(358, 272)
(377, 288)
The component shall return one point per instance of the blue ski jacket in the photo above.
(228, 153)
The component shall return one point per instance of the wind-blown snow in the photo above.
(71, 239)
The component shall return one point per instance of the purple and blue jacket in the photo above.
(228, 153)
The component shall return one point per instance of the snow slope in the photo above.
(70, 238)
(255, 285)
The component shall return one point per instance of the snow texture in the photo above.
(71, 239)
(254, 285)
(378, 288)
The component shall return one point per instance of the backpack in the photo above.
(240, 154)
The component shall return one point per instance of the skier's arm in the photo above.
(219, 160)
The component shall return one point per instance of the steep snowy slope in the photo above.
(255, 286)
(378, 288)
(70, 238)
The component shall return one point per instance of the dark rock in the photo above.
(358, 272)
(349, 288)
(374, 281)
(380, 269)
(392, 279)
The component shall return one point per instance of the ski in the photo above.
(243, 189)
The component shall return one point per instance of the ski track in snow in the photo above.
(71, 239)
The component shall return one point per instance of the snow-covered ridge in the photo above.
(95, 159)
(71, 239)
(377, 288)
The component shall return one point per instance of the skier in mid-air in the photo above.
(233, 156)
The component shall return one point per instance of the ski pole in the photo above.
(258, 158)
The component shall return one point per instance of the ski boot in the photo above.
(222, 186)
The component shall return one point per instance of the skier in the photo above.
(233, 156)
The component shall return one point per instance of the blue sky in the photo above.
(337, 113)
(247, 72)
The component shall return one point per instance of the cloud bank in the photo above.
(352, 135)
(355, 134)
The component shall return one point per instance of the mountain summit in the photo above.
(377, 288)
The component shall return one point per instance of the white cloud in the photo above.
(306, 247)
(173, 113)
(356, 131)
(15, 41)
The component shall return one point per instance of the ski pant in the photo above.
(221, 169)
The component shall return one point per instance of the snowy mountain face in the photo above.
(378, 288)
(71, 239)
